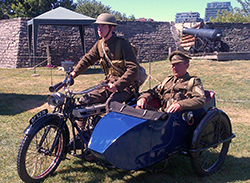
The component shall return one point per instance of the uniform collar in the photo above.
(183, 78)
(111, 40)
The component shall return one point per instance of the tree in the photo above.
(93, 8)
(245, 6)
(238, 15)
(33, 8)
(132, 18)
(5, 8)
(235, 16)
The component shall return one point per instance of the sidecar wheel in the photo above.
(209, 160)
(34, 163)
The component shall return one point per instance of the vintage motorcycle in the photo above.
(125, 137)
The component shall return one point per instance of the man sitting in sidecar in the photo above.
(175, 93)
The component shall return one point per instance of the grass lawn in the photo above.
(21, 96)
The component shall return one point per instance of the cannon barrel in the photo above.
(212, 34)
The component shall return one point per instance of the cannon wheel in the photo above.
(211, 157)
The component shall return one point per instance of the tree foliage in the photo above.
(235, 16)
(245, 6)
(5, 8)
(93, 8)
(238, 15)
(32, 8)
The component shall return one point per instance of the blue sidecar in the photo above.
(132, 138)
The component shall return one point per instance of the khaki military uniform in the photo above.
(123, 83)
(176, 90)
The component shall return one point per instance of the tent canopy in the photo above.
(59, 16)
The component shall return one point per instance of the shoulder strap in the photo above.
(190, 86)
(99, 45)
(118, 49)
(165, 81)
(110, 62)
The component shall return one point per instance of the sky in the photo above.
(160, 10)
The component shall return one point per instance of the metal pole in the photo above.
(48, 56)
(169, 51)
(149, 70)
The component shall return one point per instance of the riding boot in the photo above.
(82, 124)
(78, 141)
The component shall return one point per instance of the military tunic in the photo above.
(123, 83)
(126, 53)
(175, 90)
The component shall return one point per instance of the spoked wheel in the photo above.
(211, 154)
(35, 161)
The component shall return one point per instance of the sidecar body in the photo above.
(132, 138)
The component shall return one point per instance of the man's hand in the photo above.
(111, 87)
(142, 103)
(174, 108)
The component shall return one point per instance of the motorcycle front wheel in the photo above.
(35, 161)
(211, 158)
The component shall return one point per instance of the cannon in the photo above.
(203, 40)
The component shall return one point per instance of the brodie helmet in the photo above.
(106, 18)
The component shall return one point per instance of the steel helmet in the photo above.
(106, 18)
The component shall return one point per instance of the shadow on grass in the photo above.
(178, 169)
(11, 104)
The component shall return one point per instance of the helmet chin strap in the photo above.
(108, 32)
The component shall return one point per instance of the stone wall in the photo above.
(152, 39)
(236, 35)
(64, 43)
(10, 34)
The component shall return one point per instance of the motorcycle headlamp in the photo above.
(55, 100)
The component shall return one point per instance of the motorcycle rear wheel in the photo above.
(34, 163)
(211, 159)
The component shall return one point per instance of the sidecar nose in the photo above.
(114, 138)
(109, 129)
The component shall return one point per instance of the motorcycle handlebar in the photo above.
(56, 87)
(68, 81)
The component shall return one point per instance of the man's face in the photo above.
(180, 69)
(103, 30)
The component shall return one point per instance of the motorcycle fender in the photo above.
(31, 129)
(210, 114)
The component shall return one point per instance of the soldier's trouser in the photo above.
(106, 97)
(103, 97)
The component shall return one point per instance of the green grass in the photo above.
(22, 95)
